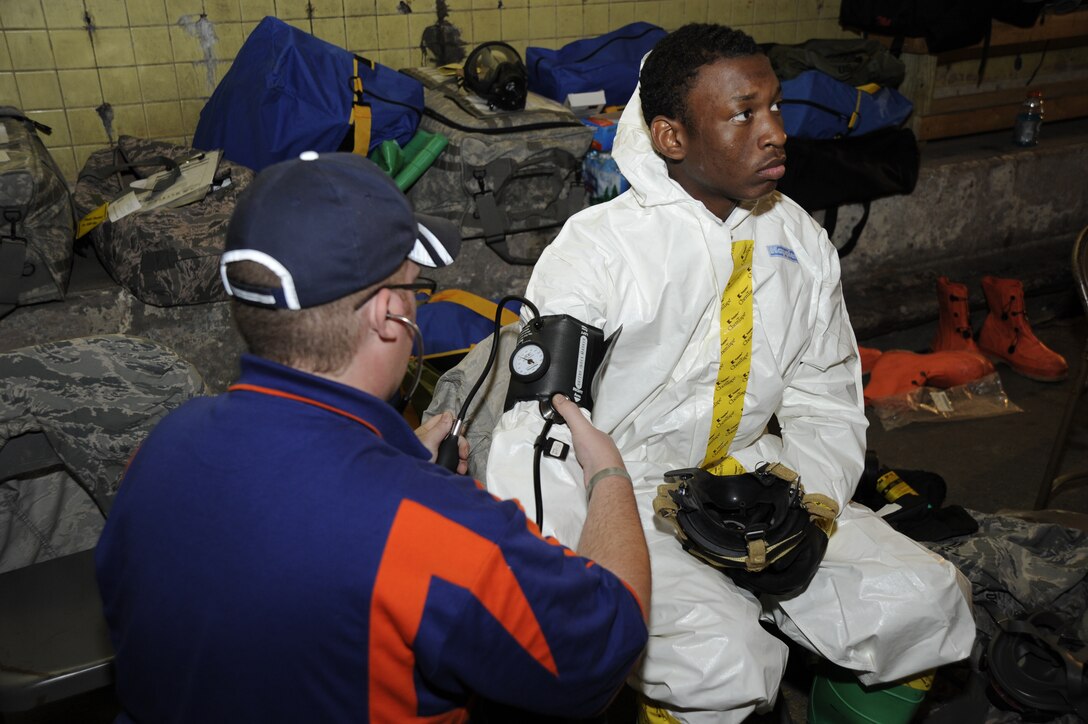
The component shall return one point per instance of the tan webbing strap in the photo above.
(854, 116)
(360, 114)
(822, 511)
(757, 555)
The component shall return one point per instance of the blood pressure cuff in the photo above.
(558, 354)
(758, 528)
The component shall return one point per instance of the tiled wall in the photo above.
(155, 62)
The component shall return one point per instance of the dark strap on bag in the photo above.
(171, 166)
(493, 179)
(12, 258)
(831, 220)
(849, 119)
(40, 127)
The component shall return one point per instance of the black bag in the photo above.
(856, 61)
(165, 256)
(1026, 13)
(945, 24)
(37, 228)
(502, 172)
(823, 174)
(1021, 13)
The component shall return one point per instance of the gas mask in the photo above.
(495, 72)
(1037, 668)
(759, 528)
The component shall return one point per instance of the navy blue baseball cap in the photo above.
(328, 225)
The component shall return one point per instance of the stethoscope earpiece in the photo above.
(400, 400)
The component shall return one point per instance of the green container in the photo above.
(419, 154)
(407, 164)
(842, 700)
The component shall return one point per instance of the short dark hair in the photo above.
(671, 69)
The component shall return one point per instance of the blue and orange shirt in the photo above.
(286, 552)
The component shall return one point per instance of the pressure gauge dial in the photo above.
(529, 361)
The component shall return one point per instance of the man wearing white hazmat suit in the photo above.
(728, 301)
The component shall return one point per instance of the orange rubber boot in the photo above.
(1006, 335)
(898, 371)
(954, 324)
(869, 356)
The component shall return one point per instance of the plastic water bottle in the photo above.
(1029, 119)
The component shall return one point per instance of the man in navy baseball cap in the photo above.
(289, 551)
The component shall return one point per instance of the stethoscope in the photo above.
(448, 455)
(400, 400)
(528, 358)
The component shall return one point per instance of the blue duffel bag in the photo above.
(816, 105)
(609, 62)
(289, 92)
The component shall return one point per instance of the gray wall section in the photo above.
(981, 207)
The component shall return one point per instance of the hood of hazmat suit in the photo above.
(657, 263)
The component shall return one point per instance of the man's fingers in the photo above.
(434, 430)
(567, 409)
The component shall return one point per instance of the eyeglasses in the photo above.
(422, 286)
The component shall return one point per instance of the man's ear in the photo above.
(669, 138)
(374, 315)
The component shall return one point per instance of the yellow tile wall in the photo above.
(155, 62)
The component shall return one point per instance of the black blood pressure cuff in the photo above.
(557, 354)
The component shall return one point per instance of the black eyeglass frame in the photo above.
(422, 284)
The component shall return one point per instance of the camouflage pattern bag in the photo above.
(36, 222)
(72, 413)
(165, 256)
(503, 172)
(1017, 565)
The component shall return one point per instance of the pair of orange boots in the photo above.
(1006, 336)
(956, 359)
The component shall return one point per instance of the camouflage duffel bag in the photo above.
(503, 172)
(165, 256)
(36, 222)
(72, 413)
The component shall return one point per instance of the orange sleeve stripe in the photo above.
(410, 560)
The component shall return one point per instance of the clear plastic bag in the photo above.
(984, 397)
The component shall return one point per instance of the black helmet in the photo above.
(756, 527)
(495, 72)
(1037, 670)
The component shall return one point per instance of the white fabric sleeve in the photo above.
(822, 413)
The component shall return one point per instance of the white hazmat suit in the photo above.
(655, 262)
